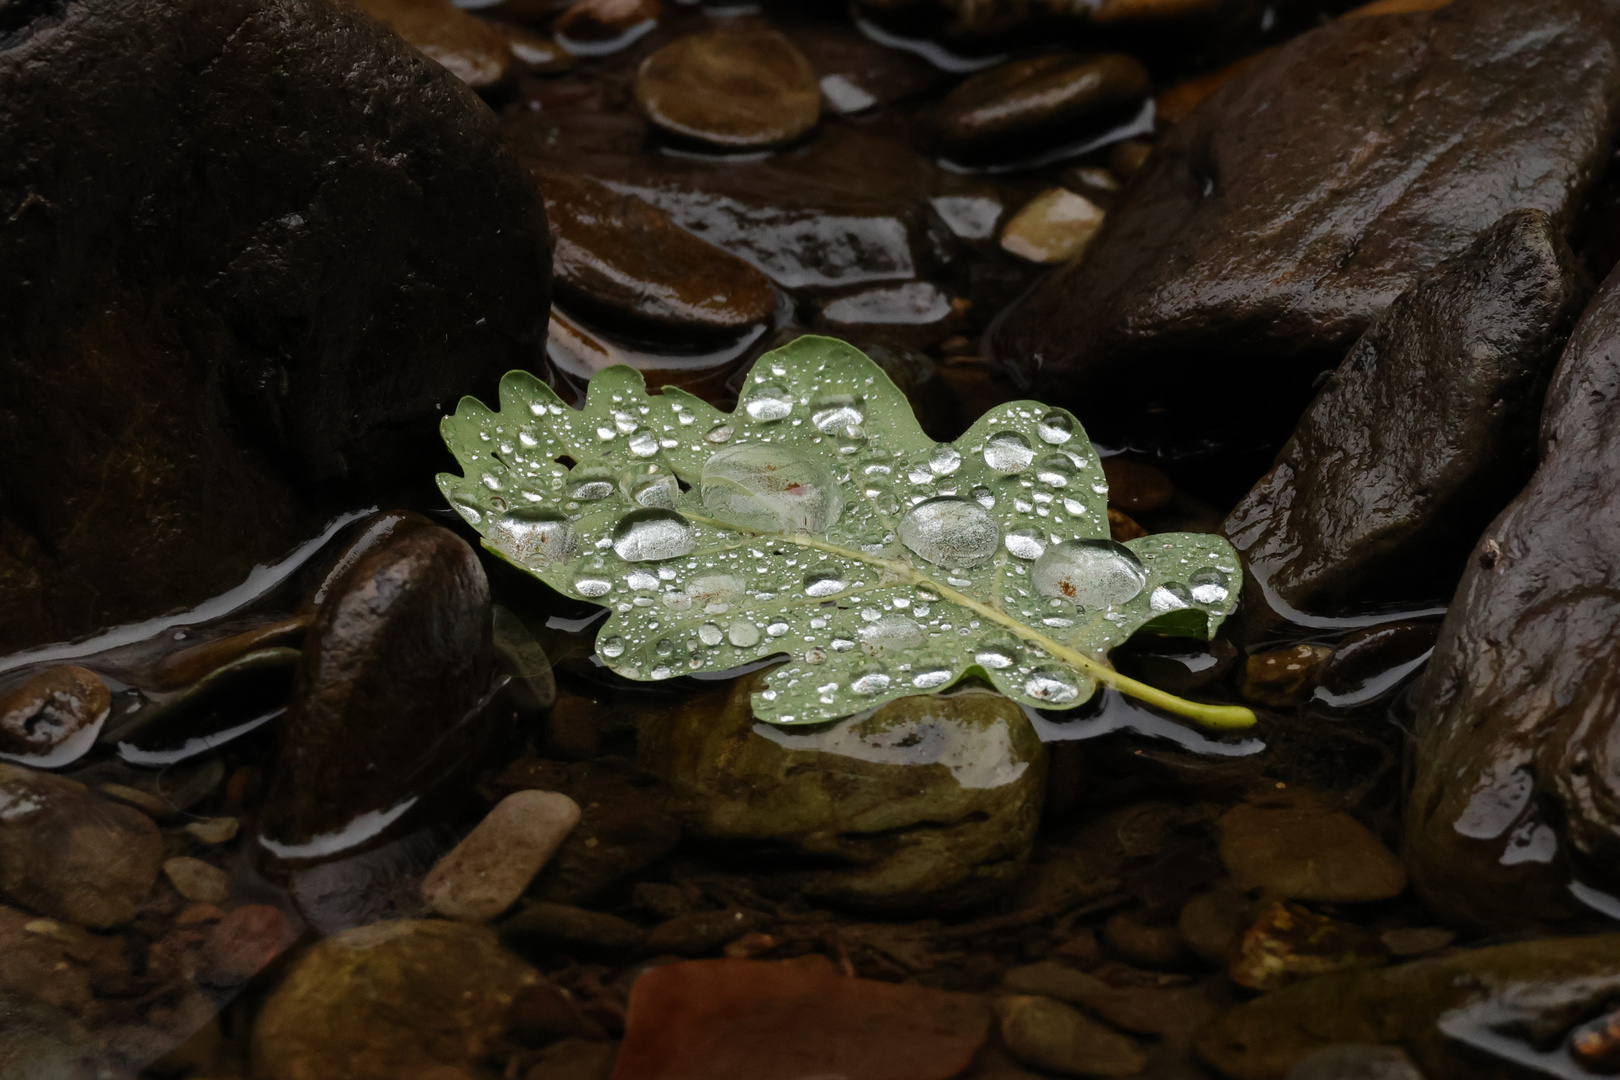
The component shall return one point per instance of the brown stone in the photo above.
(485, 874)
(623, 259)
(1288, 943)
(730, 87)
(472, 51)
(42, 715)
(595, 22)
(1051, 1035)
(1053, 227)
(1280, 677)
(1294, 847)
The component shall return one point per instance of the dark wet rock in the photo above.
(1370, 663)
(848, 208)
(1288, 943)
(1270, 228)
(56, 963)
(1136, 487)
(574, 1059)
(699, 932)
(1033, 103)
(747, 1017)
(605, 23)
(1447, 1013)
(1094, 859)
(932, 802)
(914, 315)
(1292, 846)
(732, 87)
(1512, 820)
(1212, 922)
(1053, 227)
(1050, 1035)
(197, 662)
(485, 874)
(254, 245)
(468, 47)
(67, 853)
(857, 73)
(48, 711)
(990, 18)
(1421, 435)
(1131, 938)
(228, 702)
(624, 827)
(619, 257)
(1280, 677)
(1356, 1061)
(1407, 941)
(389, 1000)
(390, 694)
(544, 925)
(1168, 1011)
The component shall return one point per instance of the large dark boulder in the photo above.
(1423, 433)
(249, 251)
(1514, 815)
(1276, 221)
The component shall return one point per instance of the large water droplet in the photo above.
(764, 487)
(950, 532)
(534, 538)
(642, 580)
(891, 635)
(592, 586)
(650, 535)
(1053, 685)
(1008, 452)
(824, 584)
(944, 460)
(768, 402)
(997, 654)
(1025, 544)
(643, 443)
(1056, 428)
(710, 633)
(1169, 597)
(1055, 470)
(873, 679)
(720, 433)
(743, 634)
(1089, 573)
(931, 673)
(838, 414)
(1209, 586)
(612, 647)
(658, 491)
(714, 592)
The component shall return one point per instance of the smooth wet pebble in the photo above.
(730, 87)
(1048, 1034)
(197, 880)
(1288, 943)
(1054, 227)
(590, 27)
(546, 924)
(46, 717)
(485, 874)
(1356, 1061)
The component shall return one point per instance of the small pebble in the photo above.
(701, 931)
(1135, 486)
(1281, 676)
(1029, 104)
(1294, 847)
(464, 44)
(1126, 159)
(218, 830)
(609, 24)
(145, 801)
(1053, 227)
(198, 880)
(244, 942)
(574, 1059)
(730, 87)
(1289, 943)
(485, 874)
(1212, 922)
(1048, 1034)
(48, 710)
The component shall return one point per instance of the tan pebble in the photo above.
(1048, 1034)
(197, 880)
(485, 874)
(141, 800)
(217, 830)
(1053, 227)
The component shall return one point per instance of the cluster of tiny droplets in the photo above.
(1013, 514)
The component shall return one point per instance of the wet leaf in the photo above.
(817, 522)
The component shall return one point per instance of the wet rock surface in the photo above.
(52, 709)
(1513, 722)
(250, 245)
(1274, 224)
(929, 803)
(735, 88)
(618, 256)
(387, 999)
(484, 874)
(390, 695)
(1419, 437)
(468, 48)
(70, 854)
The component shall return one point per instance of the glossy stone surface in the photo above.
(1026, 104)
(730, 87)
(929, 803)
(621, 258)
(468, 47)
(1276, 222)
(1421, 435)
(50, 709)
(785, 1020)
(1513, 809)
(387, 700)
(386, 1000)
(70, 854)
(253, 245)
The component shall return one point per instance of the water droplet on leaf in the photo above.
(1008, 453)
(1089, 573)
(768, 402)
(764, 487)
(1025, 544)
(651, 535)
(1056, 428)
(950, 532)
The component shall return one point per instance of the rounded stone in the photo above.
(732, 88)
(1051, 1035)
(485, 874)
(197, 880)
(390, 1000)
(1028, 102)
(46, 712)
(1296, 848)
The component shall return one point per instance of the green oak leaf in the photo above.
(818, 523)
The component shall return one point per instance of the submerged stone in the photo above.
(1513, 819)
(1423, 433)
(1295, 848)
(1269, 228)
(732, 87)
(390, 1000)
(468, 47)
(485, 874)
(929, 803)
